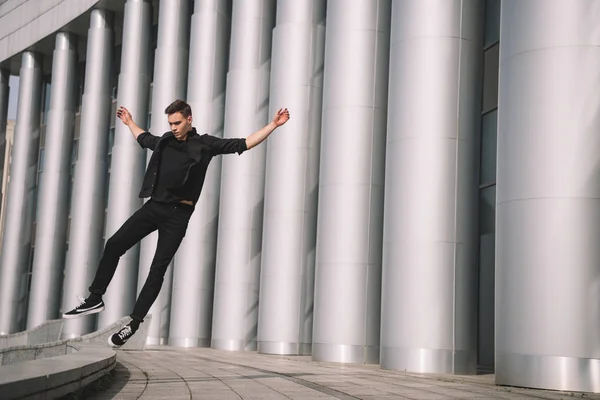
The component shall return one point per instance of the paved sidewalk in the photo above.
(199, 373)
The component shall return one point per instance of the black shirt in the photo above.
(173, 166)
(182, 178)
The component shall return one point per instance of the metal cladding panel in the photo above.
(430, 238)
(292, 174)
(239, 244)
(548, 208)
(16, 241)
(128, 159)
(194, 272)
(351, 178)
(169, 84)
(54, 186)
(23, 25)
(90, 180)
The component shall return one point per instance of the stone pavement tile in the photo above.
(461, 394)
(429, 396)
(127, 382)
(213, 392)
(217, 375)
(361, 391)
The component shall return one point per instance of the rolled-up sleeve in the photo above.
(147, 140)
(224, 146)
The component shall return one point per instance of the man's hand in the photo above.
(259, 136)
(281, 117)
(125, 116)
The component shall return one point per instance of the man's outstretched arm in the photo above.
(125, 116)
(259, 136)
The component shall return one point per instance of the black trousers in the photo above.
(171, 221)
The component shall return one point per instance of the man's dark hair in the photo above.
(179, 106)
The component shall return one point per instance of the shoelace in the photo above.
(124, 332)
(82, 301)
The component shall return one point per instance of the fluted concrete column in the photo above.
(89, 183)
(128, 159)
(548, 196)
(242, 185)
(16, 242)
(169, 84)
(53, 189)
(429, 291)
(4, 91)
(289, 235)
(194, 272)
(350, 220)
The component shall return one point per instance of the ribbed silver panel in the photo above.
(242, 185)
(548, 196)
(350, 220)
(430, 237)
(16, 241)
(4, 91)
(89, 183)
(54, 186)
(169, 84)
(289, 235)
(194, 272)
(128, 159)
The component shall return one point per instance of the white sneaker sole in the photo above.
(111, 344)
(89, 312)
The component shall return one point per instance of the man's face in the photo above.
(180, 126)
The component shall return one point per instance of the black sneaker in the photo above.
(120, 338)
(85, 308)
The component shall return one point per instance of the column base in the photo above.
(232, 345)
(437, 361)
(345, 353)
(282, 348)
(188, 342)
(548, 372)
(156, 341)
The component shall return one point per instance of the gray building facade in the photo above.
(432, 205)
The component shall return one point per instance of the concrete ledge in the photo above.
(57, 376)
(29, 352)
(49, 331)
(17, 354)
(55, 369)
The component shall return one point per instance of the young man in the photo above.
(173, 181)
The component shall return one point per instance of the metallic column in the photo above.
(350, 221)
(242, 186)
(291, 187)
(4, 91)
(89, 183)
(194, 272)
(16, 242)
(429, 290)
(53, 190)
(548, 196)
(128, 160)
(170, 79)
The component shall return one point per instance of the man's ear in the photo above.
(190, 120)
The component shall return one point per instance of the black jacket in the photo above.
(201, 149)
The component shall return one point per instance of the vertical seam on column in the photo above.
(456, 177)
(370, 202)
(303, 257)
